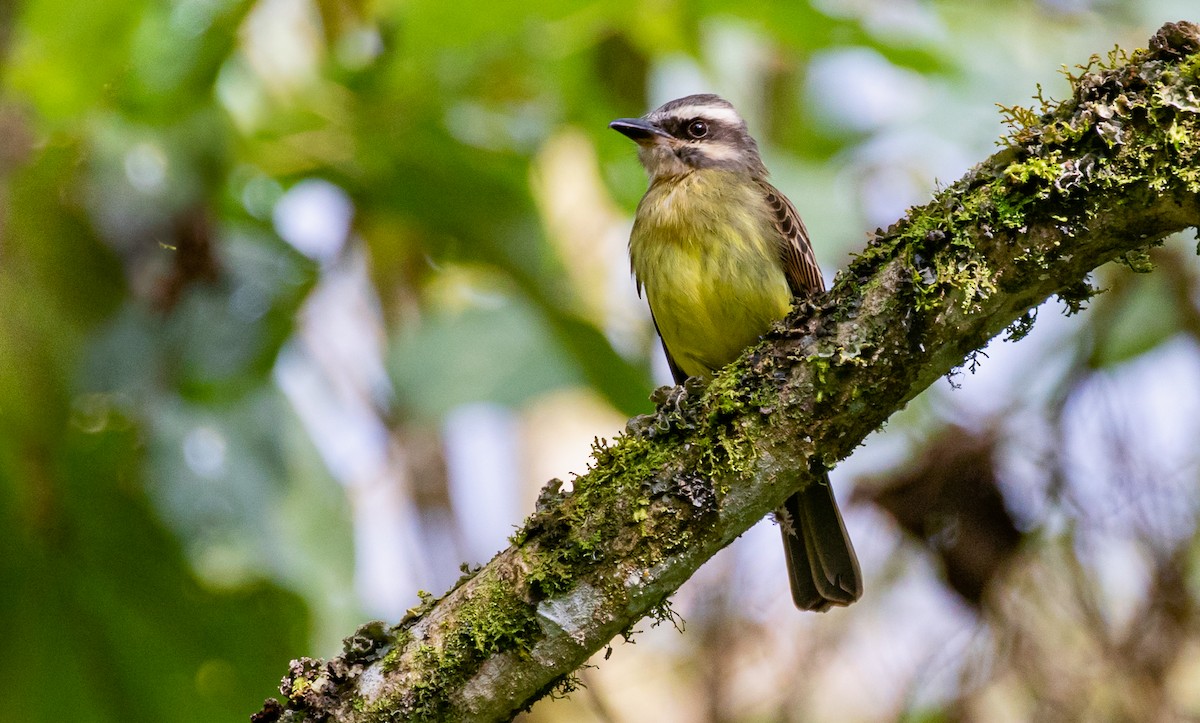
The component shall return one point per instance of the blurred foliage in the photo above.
(171, 537)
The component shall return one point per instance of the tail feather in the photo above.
(821, 563)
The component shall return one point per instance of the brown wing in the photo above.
(795, 250)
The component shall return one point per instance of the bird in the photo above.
(720, 255)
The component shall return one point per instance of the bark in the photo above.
(1098, 177)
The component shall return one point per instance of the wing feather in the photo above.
(795, 249)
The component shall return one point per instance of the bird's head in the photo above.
(691, 133)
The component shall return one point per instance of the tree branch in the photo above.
(1097, 177)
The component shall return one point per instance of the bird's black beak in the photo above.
(638, 129)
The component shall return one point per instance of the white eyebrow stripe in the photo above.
(709, 112)
(721, 151)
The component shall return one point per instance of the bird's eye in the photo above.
(697, 129)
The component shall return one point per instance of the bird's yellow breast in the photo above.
(704, 249)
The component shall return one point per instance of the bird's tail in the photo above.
(821, 563)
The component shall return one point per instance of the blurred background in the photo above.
(303, 301)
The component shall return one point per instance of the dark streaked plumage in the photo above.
(720, 253)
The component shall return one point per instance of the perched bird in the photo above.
(720, 254)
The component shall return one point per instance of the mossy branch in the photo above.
(1098, 177)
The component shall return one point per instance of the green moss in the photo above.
(391, 660)
(1034, 169)
(554, 570)
(488, 622)
(497, 622)
(299, 687)
(1062, 159)
(564, 543)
